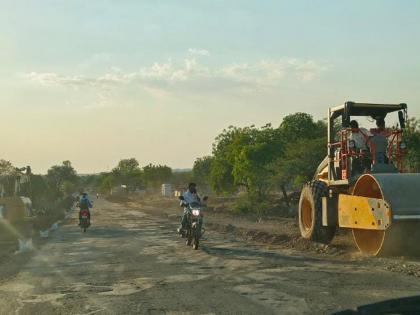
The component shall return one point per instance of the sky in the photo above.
(97, 81)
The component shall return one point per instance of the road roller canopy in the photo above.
(365, 109)
(342, 159)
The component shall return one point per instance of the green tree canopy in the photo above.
(128, 172)
(155, 175)
(302, 126)
(202, 169)
(264, 159)
(107, 184)
(412, 138)
(58, 174)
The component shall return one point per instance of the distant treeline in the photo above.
(129, 174)
(260, 162)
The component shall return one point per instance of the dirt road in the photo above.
(130, 262)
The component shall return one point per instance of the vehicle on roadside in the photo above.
(84, 220)
(193, 229)
(364, 187)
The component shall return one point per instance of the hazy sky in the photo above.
(97, 81)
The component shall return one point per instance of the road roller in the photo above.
(363, 184)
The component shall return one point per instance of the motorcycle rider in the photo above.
(84, 204)
(189, 196)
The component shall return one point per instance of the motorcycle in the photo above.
(84, 221)
(194, 223)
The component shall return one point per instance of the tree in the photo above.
(252, 165)
(128, 172)
(68, 187)
(6, 168)
(8, 176)
(225, 152)
(302, 126)
(181, 178)
(202, 170)
(412, 139)
(304, 142)
(265, 159)
(58, 174)
(242, 158)
(155, 175)
(107, 184)
(40, 193)
(298, 164)
(127, 166)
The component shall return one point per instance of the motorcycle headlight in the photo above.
(403, 146)
(196, 212)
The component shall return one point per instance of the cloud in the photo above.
(272, 72)
(54, 79)
(77, 81)
(308, 70)
(198, 52)
(171, 72)
(160, 79)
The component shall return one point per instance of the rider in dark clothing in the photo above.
(84, 204)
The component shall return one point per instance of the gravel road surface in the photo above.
(132, 262)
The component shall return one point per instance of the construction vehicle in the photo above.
(13, 206)
(367, 190)
(15, 209)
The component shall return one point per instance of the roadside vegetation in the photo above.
(412, 138)
(259, 170)
(51, 196)
(265, 164)
(59, 182)
(269, 165)
(128, 176)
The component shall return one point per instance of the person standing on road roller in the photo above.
(380, 127)
(360, 137)
(378, 143)
(190, 196)
(84, 204)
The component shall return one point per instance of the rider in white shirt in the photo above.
(190, 196)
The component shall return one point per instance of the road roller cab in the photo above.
(364, 188)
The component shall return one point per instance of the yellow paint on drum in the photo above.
(363, 213)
